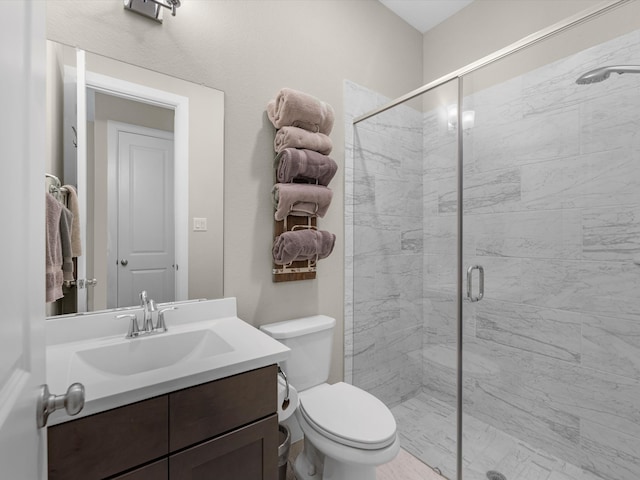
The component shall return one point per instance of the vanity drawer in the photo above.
(249, 453)
(205, 411)
(110, 442)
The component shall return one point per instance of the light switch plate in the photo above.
(199, 224)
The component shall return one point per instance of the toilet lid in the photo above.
(349, 415)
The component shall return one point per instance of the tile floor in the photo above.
(404, 467)
(428, 432)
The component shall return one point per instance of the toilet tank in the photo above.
(310, 340)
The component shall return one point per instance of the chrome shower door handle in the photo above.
(470, 295)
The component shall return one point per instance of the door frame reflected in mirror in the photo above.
(180, 106)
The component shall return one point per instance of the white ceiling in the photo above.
(423, 15)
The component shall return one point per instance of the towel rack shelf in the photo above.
(284, 270)
(300, 270)
(302, 173)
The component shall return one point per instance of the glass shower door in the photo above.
(551, 211)
(404, 265)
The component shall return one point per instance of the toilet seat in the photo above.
(349, 416)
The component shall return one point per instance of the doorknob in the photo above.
(72, 402)
(124, 262)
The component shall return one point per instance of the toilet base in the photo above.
(311, 464)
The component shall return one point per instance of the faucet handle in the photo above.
(134, 330)
(161, 326)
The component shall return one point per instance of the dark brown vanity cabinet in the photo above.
(226, 429)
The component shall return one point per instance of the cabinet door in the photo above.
(206, 411)
(108, 443)
(250, 453)
(155, 471)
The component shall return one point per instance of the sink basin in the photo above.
(143, 354)
(206, 341)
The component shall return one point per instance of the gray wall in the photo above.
(251, 49)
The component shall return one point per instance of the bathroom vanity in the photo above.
(227, 428)
(211, 414)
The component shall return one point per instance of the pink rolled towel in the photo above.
(304, 244)
(293, 164)
(294, 137)
(300, 199)
(292, 108)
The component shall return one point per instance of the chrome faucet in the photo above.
(149, 306)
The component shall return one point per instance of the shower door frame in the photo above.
(569, 23)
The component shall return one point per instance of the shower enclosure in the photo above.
(494, 264)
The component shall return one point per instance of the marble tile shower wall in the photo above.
(552, 212)
(384, 207)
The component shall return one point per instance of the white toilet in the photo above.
(347, 431)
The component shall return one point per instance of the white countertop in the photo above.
(67, 336)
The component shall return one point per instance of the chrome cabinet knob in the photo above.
(124, 262)
(72, 402)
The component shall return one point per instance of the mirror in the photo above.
(147, 161)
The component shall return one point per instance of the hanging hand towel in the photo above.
(53, 250)
(294, 137)
(76, 244)
(298, 109)
(307, 244)
(293, 163)
(300, 199)
(66, 221)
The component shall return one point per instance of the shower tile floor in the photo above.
(428, 431)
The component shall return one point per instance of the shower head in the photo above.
(602, 73)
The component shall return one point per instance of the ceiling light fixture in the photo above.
(152, 8)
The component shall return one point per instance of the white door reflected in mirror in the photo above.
(141, 216)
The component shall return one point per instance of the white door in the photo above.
(22, 150)
(146, 255)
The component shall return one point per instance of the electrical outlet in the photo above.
(199, 224)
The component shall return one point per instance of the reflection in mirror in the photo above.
(150, 152)
(130, 200)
